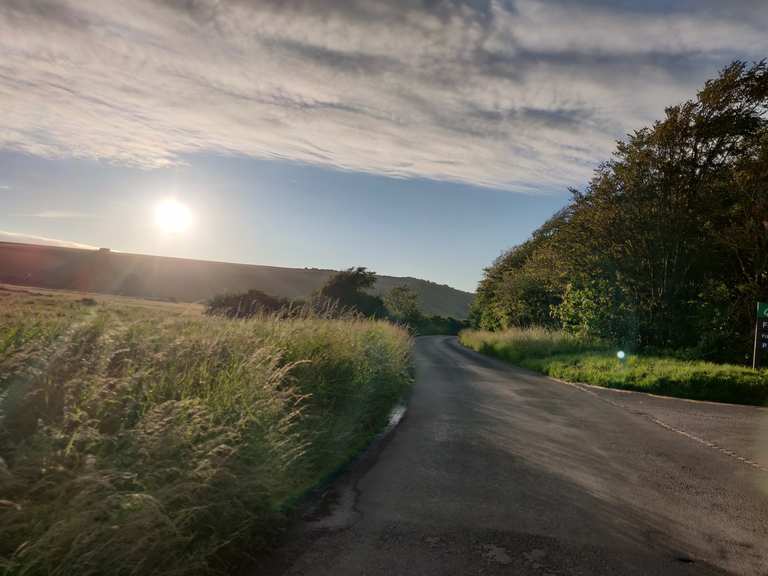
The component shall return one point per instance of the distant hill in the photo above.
(189, 280)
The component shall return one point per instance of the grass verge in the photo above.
(578, 360)
(157, 441)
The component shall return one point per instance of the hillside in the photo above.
(189, 280)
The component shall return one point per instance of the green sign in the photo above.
(760, 355)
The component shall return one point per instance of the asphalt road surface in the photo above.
(496, 470)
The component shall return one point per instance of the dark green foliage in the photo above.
(668, 245)
(523, 284)
(597, 308)
(403, 307)
(246, 305)
(439, 325)
(348, 290)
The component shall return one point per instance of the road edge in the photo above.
(593, 391)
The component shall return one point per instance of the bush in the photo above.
(150, 441)
(246, 304)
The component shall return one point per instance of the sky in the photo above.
(418, 138)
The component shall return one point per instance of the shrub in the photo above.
(246, 304)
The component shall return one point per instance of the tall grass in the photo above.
(581, 360)
(517, 344)
(153, 441)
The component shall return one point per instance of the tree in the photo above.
(597, 309)
(348, 290)
(523, 284)
(403, 304)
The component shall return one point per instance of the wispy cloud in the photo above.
(61, 215)
(23, 238)
(512, 93)
(4, 187)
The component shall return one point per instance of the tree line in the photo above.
(344, 293)
(667, 246)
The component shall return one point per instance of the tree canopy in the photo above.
(667, 246)
(403, 304)
(348, 289)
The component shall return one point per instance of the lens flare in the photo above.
(172, 216)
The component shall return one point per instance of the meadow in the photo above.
(591, 361)
(147, 438)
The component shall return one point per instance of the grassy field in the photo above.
(570, 358)
(145, 438)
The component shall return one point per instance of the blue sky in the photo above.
(416, 137)
(275, 213)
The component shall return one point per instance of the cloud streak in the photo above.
(514, 94)
(61, 215)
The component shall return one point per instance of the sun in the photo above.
(172, 216)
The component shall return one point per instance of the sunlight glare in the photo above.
(172, 216)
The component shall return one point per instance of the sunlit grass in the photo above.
(582, 360)
(517, 344)
(157, 441)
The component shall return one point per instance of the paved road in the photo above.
(495, 470)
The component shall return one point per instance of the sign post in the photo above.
(760, 356)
